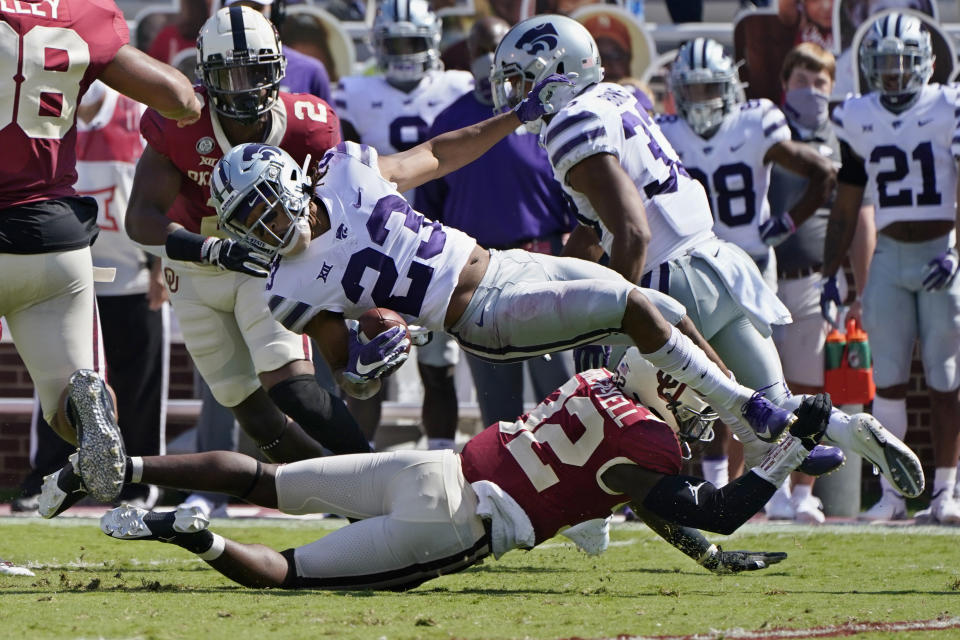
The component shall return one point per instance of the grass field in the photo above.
(89, 586)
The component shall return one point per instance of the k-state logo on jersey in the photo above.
(541, 38)
(342, 232)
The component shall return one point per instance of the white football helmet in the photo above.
(706, 84)
(240, 62)
(406, 38)
(253, 174)
(896, 57)
(537, 47)
(675, 403)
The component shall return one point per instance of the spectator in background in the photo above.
(181, 35)
(304, 73)
(809, 72)
(308, 34)
(613, 42)
(506, 199)
(132, 310)
(812, 20)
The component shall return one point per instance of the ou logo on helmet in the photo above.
(543, 37)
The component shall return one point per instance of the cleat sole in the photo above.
(102, 460)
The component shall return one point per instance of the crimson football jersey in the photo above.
(301, 124)
(550, 460)
(50, 52)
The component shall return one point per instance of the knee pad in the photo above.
(322, 415)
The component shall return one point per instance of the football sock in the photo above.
(685, 362)
(162, 526)
(134, 471)
(217, 545)
(440, 443)
(800, 492)
(944, 479)
(892, 414)
(716, 471)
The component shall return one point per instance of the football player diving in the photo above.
(423, 514)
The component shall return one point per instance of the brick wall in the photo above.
(15, 430)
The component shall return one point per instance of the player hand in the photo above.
(726, 562)
(591, 356)
(830, 300)
(537, 103)
(939, 272)
(777, 229)
(233, 256)
(377, 358)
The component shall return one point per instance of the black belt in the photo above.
(796, 274)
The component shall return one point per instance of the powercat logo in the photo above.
(541, 38)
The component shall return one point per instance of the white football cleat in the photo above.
(808, 510)
(9, 569)
(943, 509)
(779, 507)
(134, 523)
(889, 507)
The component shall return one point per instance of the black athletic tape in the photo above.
(694, 502)
(253, 484)
(185, 245)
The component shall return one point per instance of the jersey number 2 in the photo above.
(53, 60)
(539, 429)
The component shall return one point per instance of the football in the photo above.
(377, 320)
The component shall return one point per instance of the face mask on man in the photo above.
(807, 107)
(480, 68)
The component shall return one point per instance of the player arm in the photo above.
(819, 171)
(445, 153)
(616, 200)
(852, 180)
(155, 186)
(330, 334)
(155, 84)
(583, 243)
(691, 502)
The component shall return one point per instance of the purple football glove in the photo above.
(777, 229)
(591, 356)
(830, 300)
(378, 357)
(536, 104)
(939, 272)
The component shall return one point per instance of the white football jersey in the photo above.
(391, 120)
(378, 252)
(730, 167)
(909, 157)
(108, 148)
(607, 119)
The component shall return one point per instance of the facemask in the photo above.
(480, 68)
(299, 240)
(807, 107)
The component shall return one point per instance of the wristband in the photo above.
(185, 245)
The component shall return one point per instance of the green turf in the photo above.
(90, 586)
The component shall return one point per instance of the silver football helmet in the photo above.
(675, 403)
(406, 38)
(706, 84)
(537, 47)
(252, 185)
(240, 62)
(896, 57)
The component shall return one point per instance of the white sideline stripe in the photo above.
(814, 632)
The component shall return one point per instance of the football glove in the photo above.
(727, 562)
(940, 272)
(535, 105)
(233, 256)
(377, 358)
(830, 300)
(777, 229)
(591, 356)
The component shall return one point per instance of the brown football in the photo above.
(377, 320)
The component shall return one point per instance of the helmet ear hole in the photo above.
(560, 68)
